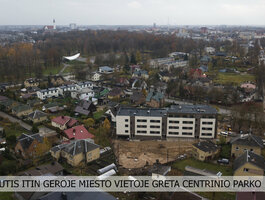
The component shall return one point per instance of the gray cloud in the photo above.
(109, 12)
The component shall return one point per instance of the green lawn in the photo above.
(52, 70)
(233, 78)
(12, 128)
(98, 114)
(6, 196)
(180, 165)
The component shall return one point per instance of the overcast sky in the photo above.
(132, 12)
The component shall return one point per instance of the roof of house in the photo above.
(51, 168)
(84, 107)
(37, 114)
(249, 157)
(206, 146)
(25, 140)
(81, 110)
(21, 108)
(78, 196)
(115, 92)
(152, 95)
(137, 96)
(62, 120)
(78, 133)
(79, 146)
(249, 140)
(105, 68)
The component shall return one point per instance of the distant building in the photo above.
(37, 116)
(105, 70)
(31, 82)
(63, 122)
(72, 26)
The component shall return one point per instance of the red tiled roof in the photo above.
(62, 120)
(78, 133)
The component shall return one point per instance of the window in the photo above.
(173, 127)
(173, 133)
(209, 129)
(207, 123)
(126, 120)
(187, 122)
(245, 170)
(141, 120)
(237, 148)
(154, 132)
(126, 131)
(173, 121)
(154, 121)
(251, 150)
(187, 128)
(206, 134)
(141, 126)
(126, 125)
(186, 133)
(154, 126)
(141, 132)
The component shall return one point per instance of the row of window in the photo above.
(208, 129)
(151, 132)
(151, 121)
(207, 123)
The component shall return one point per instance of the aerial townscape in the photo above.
(132, 100)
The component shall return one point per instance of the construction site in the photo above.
(137, 154)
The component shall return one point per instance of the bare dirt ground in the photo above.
(137, 154)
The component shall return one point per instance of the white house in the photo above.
(95, 76)
(105, 70)
(84, 85)
(48, 93)
(83, 94)
(209, 50)
(65, 88)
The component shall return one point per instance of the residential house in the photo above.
(52, 107)
(26, 145)
(204, 68)
(244, 143)
(112, 112)
(83, 85)
(77, 152)
(48, 93)
(31, 82)
(209, 50)
(140, 74)
(66, 88)
(196, 74)
(63, 122)
(77, 133)
(138, 84)
(96, 76)
(205, 150)
(85, 107)
(22, 110)
(56, 80)
(105, 70)
(155, 99)
(205, 60)
(137, 97)
(249, 164)
(83, 94)
(166, 76)
(9, 104)
(116, 93)
(51, 169)
(37, 116)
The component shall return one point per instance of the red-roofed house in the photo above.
(63, 122)
(77, 133)
(197, 73)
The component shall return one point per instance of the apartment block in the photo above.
(182, 121)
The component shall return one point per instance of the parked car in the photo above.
(223, 161)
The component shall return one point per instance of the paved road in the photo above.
(15, 120)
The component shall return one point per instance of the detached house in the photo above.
(63, 122)
(31, 82)
(244, 143)
(249, 164)
(77, 133)
(77, 152)
(48, 93)
(37, 116)
(27, 144)
(22, 110)
(115, 93)
(155, 99)
(85, 107)
(205, 150)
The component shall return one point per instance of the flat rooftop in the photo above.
(181, 109)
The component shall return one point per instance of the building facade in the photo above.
(186, 121)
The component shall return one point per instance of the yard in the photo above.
(12, 128)
(52, 70)
(233, 78)
(180, 165)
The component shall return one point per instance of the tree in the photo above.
(89, 122)
(106, 125)
(11, 140)
(133, 59)
(35, 128)
(43, 147)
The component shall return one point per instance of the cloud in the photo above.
(134, 4)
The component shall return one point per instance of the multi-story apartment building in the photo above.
(185, 121)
